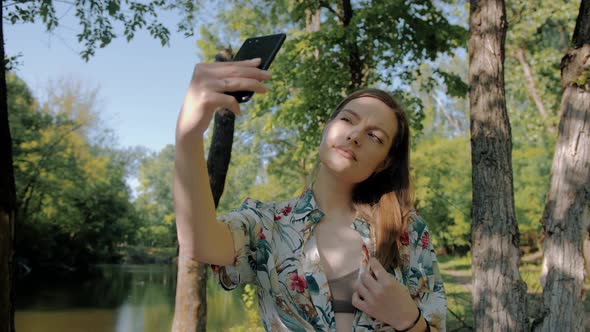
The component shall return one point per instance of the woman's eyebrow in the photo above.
(351, 112)
(355, 114)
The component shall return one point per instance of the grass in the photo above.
(456, 273)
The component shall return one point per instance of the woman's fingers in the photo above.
(230, 103)
(370, 283)
(240, 84)
(378, 269)
(241, 71)
(220, 70)
(230, 76)
(364, 292)
(247, 63)
(205, 94)
(246, 69)
(358, 303)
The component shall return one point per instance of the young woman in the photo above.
(348, 254)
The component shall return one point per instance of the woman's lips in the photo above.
(346, 153)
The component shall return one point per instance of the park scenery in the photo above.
(498, 98)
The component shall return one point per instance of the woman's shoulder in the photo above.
(284, 207)
(416, 223)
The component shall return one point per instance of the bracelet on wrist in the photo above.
(414, 323)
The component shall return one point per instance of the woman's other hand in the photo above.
(382, 297)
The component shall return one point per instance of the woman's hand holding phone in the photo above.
(206, 95)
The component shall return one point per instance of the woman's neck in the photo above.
(333, 196)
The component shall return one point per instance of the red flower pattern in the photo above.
(413, 242)
(425, 240)
(261, 234)
(286, 210)
(297, 283)
(405, 238)
(366, 255)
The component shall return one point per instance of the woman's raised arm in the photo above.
(200, 237)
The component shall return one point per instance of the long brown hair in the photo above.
(386, 197)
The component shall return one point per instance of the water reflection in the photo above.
(121, 299)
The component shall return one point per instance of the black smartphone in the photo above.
(263, 47)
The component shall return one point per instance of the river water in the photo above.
(121, 298)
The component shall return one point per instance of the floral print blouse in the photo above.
(276, 250)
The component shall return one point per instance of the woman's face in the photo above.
(366, 128)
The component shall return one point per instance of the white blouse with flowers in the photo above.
(277, 251)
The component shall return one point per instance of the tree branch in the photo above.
(451, 119)
(324, 4)
(530, 83)
(582, 30)
(25, 195)
(347, 9)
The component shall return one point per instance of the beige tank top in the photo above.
(342, 289)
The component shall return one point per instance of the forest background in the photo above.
(75, 204)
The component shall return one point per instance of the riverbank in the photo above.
(148, 255)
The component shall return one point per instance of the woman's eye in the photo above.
(345, 119)
(376, 138)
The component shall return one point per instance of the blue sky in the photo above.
(141, 84)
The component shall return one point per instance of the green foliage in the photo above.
(532, 169)
(154, 202)
(274, 146)
(313, 71)
(442, 174)
(149, 255)
(583, 78)
(542, 30)
(73, 202)
(413, 49)
(98, 19)
(455, 85)
(253, 319)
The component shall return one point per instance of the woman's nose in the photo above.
(353, 138)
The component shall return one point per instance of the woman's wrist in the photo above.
(418, 324)
(421, 326)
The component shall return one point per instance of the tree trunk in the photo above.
(217, 165)
(355, 62)
(499, 302)
(587, 252)
(7, 203)
(344, 13)
(194, 317)
(567, 207)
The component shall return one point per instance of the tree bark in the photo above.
(344, 13)
(217, 165)
(587, 252)
(312, 20)
(194, 317)
(499, 302)
(7, 202)
(355, 63)
(567, 206)
(312, 24)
